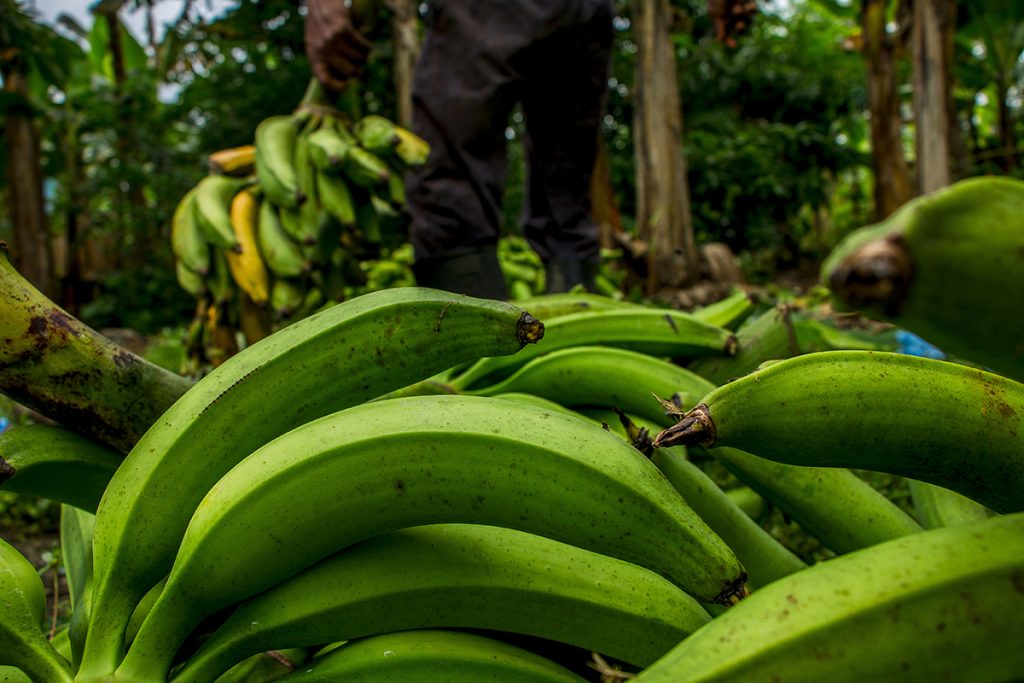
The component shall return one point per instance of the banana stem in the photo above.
(315, 94)
(55, 364)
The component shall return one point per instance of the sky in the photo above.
(165, 11)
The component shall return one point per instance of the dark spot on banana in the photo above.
(399, 485)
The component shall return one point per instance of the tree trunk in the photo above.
(32, 252)
(892, 181)
(407, 50)
(929, 36)
(663, 202)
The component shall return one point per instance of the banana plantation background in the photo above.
(783, 138)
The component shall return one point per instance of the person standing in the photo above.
(480, 58)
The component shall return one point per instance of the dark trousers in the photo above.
(480, 58)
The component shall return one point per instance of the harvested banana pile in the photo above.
(414, 485)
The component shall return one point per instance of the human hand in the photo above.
(336, 50)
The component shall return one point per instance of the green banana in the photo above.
(748, 500)
(461, 576)
(428, 656)
(549, 306)
(76, 533)
(340, 357)
(411, 148)
(22, 607)
(832, 504)
(12, 674)
(364, 168)
(280, 252)
(770, 336)
(936, 506)
(305, 172)
(273, 665)
(286, 297)
(939, 422)
(764, 558)
(377, 134)
(55, 463)
(729, 312)
(336, 198)
(189, 280)
(328, 149)
(220, 285)
(947, 266)
(603, 376)
(187, 240)
(275, 164)
(647, 330)
(461, 459)
(213, 195)
(940, 605)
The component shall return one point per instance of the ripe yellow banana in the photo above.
(341, 357)
(411, 148)
(939, 422)
(460, 459)
(246, 266)
(944, 604)
(459, 576)
(234, 161)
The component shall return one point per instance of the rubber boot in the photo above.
(474, 273)
(561, 275)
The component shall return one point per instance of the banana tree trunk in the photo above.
(407, 50)
(56, 365)
(31, 238)
(929, 36)
(892, 181)
(663, 197)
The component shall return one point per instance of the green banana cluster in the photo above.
(307, 227)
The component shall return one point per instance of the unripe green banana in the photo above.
(764, 558)
(188, 242)
(939, 422)
(219, 284)
(948, 266)
(275, 164)
(832, 504)
(22, 604)
(305, 172)
(189, 280)
(281, 253)
(364, 168)
(646, 330)
(942, 605)
(936, 506)
(377, 134)
(55, 463)
(286, 296)
(213, 204)
(729, 312)
(341, 357)
(336, 198)
(428, 656)
(748, 500)
(12, 674)
(462, 459)
(460, 576)
(603, 376)
(328, 148)
(563, 303)
(273, 665)
(76, 534)
(770, 336)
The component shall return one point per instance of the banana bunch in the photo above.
(281, 229)
(522, 267)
